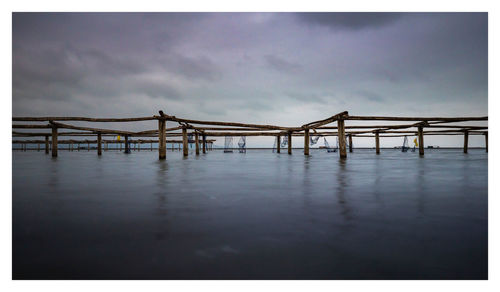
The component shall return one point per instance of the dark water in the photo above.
(257, 215)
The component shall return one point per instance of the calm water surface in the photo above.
(258, 215)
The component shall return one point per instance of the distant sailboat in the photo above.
(327, 146)
(406, 146)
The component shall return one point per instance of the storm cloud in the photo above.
(281, 68)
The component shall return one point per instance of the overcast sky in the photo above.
(273, 68)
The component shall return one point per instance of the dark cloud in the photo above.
(280, 64)
(349, 20)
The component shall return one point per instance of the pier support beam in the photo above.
(127, 145)
(350, 142)
(46, 144)
(289, 142)
(466, 141)
(306, 142)
(377, 143)
(54, 141)
(341, 133)
(421, 140)
(204, 143)
(486, 141)
(278, 144)
(162, 139)
(99, 144)
(197, 143)
(185, 146)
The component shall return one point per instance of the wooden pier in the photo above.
(56, 127)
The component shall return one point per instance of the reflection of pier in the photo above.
(434, 126)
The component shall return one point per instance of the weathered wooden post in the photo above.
(197, 142)
(46, 144)
(306, 142)
(350, 142)
(38, 149)
(99, 144)
(486, 140)
(289, 142)
(162, 139)
(54, 141)
(185, 148)
(127, 145)
(120, 143)
(278, 144)
(377, 143)
(420, 140)
(204, 143)
(466, 141)
(341, 136)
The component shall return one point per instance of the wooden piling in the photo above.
(197, 142)
(350, 142)
(204, 143)
(420, 140)
(278, 144)
(341, 136)
(289, 142)
(38, 149)
(127, 145)
(99, 144)
(54, 141)
(46, 144)
(162, 139)
(185, 148)
(377, 143)
(486, 141)
(466, 141)
(306, 142)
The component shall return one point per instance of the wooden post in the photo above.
(46, 144)
(127, 145)
(377, 143)
(38, 147)
(421, 140)
(486, 141)
(197, 142)
(162, 139)
(185, 148)
(99, 144)
(88, 146)
(289, 142)
(341, 136)
(204, 143)
(278, 144)
(306, 142)
(466, 141)
(350, 142)
(54, 141)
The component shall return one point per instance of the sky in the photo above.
(270, 68)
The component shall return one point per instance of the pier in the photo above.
(189, 131)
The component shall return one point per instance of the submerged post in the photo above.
(341, 134)
(46, 144)
(289, 142)
(350, 142)
(466, 141)
(204, 143)
(162, 139)
(54, 141)
(197, 142)
(420, 140)
(278, 144)
(486, 141)
(99, 144)
(185, 149)
(306, 142)
(377, 143)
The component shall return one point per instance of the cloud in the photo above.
(349, 20)
(280, 64)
